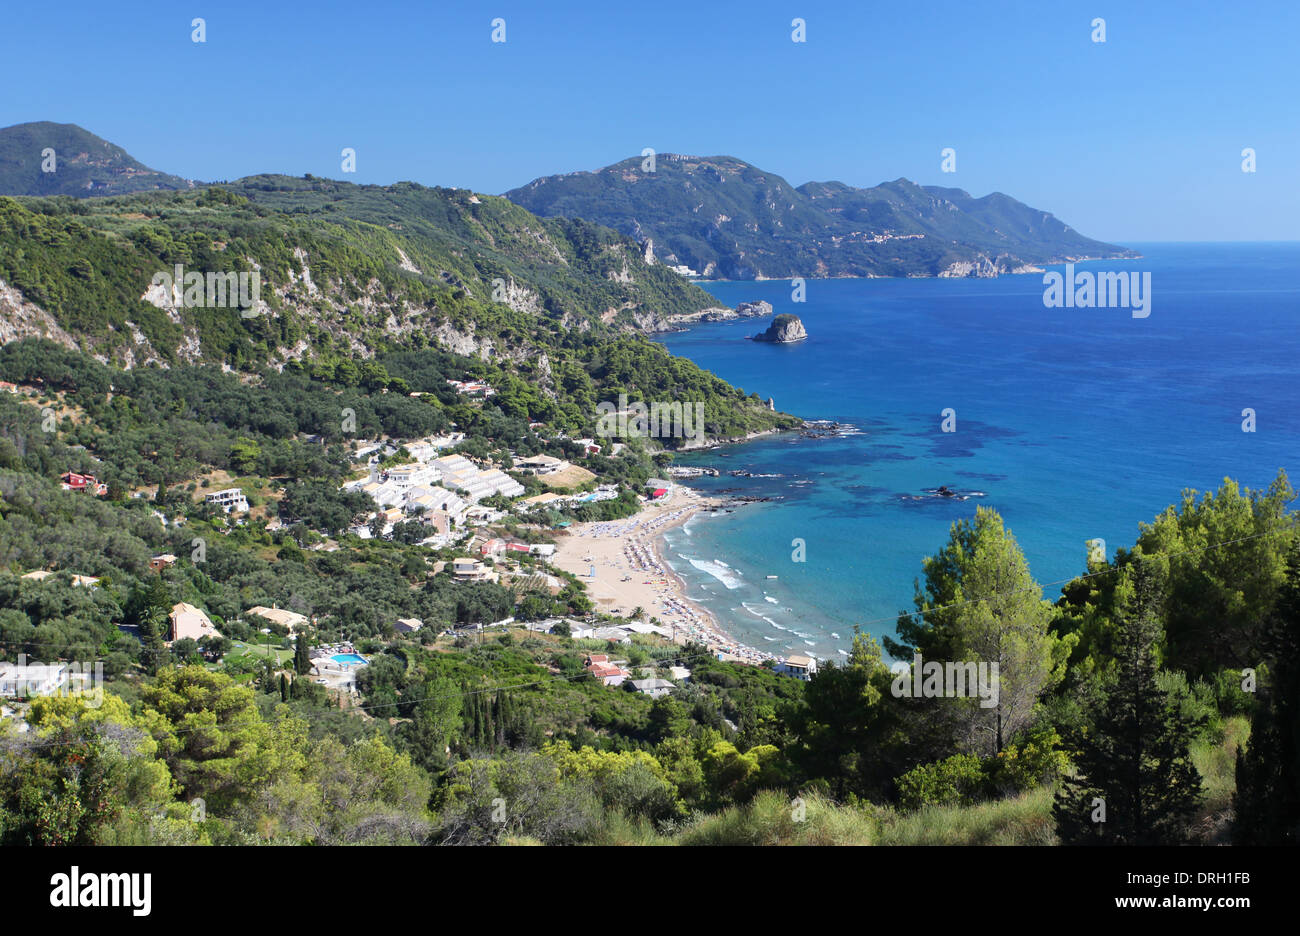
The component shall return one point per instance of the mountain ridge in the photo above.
(723, 218)
(82, 164)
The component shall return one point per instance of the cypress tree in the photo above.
(1136, 784)
(1268, 769)
(503, 717)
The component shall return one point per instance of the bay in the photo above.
(1072, 423)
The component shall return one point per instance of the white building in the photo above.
(432, 500)
(654, 688)
(411, 475)
(289, 619)
(32, 679)
(471, 570)
(462, 475)
(231, 500)
(541, 464)
(800, 667)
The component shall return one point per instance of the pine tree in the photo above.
(981, 604)
(1268, 770)
(302, 656)
(1136, 784)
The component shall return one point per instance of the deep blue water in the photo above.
(1076, 423)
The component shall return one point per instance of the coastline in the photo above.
(627, 556)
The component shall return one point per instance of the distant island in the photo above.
(785, 329)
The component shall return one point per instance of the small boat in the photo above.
(771, 576)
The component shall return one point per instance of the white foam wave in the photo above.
(718, 569)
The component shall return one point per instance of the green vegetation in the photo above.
(1163, 683)
(450, 729)
(548, 312)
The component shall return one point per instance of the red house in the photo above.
(83, 482)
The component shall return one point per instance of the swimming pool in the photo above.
(348, 658)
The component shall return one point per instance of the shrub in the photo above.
(954, 781)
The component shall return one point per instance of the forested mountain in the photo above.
(80, 164)
(727, 219)
(554, 308)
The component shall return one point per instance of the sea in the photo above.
(1075, 424)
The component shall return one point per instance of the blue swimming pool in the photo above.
(348, 658)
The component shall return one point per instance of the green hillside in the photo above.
(350, 272)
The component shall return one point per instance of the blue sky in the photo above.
(1135, 139)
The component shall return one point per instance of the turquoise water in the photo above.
(1074, 423)
(348, 658)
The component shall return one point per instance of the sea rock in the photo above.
(784, 329)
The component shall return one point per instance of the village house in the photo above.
(19, 681)
(541, 500)
(541, 464)
(186, 620)
(654, 688)
(472, 570)
(800, 667)
(78, 581)
(72, 481)
(608, 672)
(472, 387)
(499, 546)
(291, 620)
(158, 563)
(407, 625)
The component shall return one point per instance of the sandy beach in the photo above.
(631, 572)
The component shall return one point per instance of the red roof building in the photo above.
(610, 674)
(83, 482)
